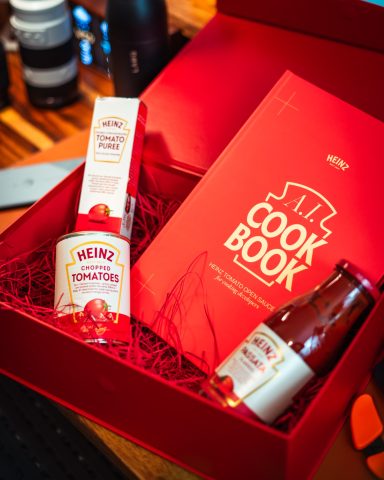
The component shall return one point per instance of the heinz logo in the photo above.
(280, 236)
(110, 138)
(262, 352)
(337, 162)
(112, 123)
(95, 252)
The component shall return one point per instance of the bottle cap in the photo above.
(364, 281)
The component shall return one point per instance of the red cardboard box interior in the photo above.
(166, 419)
(199, 102)
(195, 107)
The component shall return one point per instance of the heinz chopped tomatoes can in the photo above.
(92, 285)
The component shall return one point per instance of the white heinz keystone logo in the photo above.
(280, 235)
(110, 138)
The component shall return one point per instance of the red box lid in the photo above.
(201, 99)
(358, 22)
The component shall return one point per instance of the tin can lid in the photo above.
(361, 277)
(92, 233)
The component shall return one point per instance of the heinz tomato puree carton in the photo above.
(109, 190)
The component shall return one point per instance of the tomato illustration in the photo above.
(99, 213)
(97, 309)
(226, 383)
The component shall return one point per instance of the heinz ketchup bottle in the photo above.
(303, 338)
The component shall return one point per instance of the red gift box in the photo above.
(195, 107)
(151, 411)
(164, 418)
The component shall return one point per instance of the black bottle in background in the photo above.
(4, 79)
(138, 33)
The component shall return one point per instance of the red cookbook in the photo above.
(298, 188)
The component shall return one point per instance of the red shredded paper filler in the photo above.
(27, 284)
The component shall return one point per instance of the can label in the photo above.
(92, 285)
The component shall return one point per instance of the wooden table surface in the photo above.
(25, 130)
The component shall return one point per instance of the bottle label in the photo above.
(264, 373)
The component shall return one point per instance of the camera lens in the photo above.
(44, 32)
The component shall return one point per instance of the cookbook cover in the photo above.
(297, 189)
